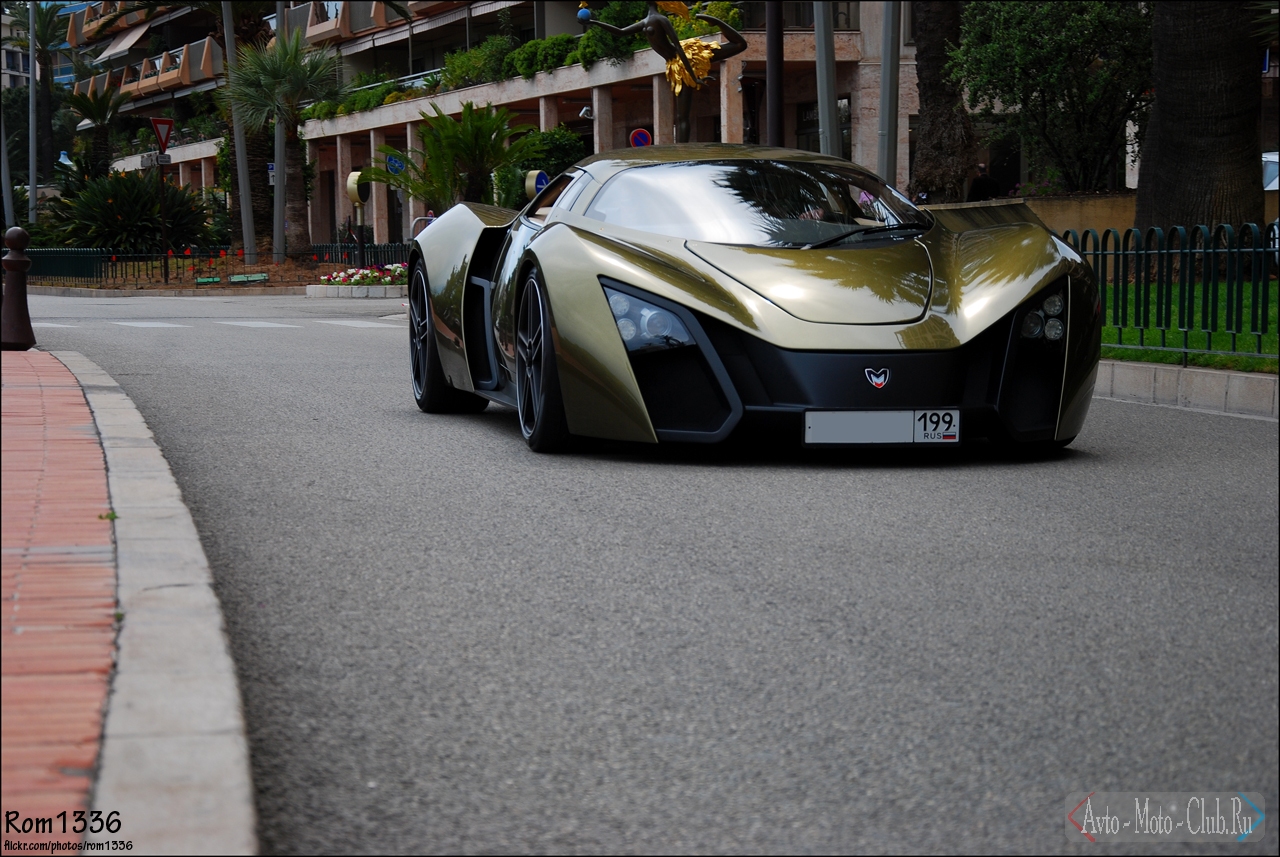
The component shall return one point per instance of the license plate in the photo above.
(882, 427)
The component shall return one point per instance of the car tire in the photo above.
(538, 399)
(430, 389)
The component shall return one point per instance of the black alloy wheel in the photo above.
(542, 420)
(430, 389)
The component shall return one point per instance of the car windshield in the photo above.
(756, 202)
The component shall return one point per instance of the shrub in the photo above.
(380, 86)
(482, 64)
(367, 99)
(552, 51)
(320, 110)
(539, 55)
(597, 44)
(727, 12)
(122, 211)
(561, 149)
(523, 60)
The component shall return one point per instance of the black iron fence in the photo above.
(206, 267)
(374, 254)
(1190, 290)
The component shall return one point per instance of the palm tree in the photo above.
(99, 108)
(51, 42)
(459, 156)
(481, 143)
(271, 83)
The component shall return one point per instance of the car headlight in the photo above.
(645, 327)
(1045, 320)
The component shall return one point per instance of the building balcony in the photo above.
(356, 19)
(193, 63)
(86, 25)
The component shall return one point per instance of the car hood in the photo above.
(880, 284)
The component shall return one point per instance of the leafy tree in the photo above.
(50, 39)
(271, 83)
(945, 148)
(1202, 157)
(458, 156)
(99, 108)
(1064, 76)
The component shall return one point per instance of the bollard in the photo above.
(15, 321)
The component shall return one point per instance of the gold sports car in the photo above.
(682, 293)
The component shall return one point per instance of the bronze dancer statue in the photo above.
(688, 61)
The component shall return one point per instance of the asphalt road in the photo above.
(449, 643)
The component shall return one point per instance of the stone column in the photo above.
(906, 101)
(866, 102)
(731, 101)
(602, 107)
(548, 112)
(184, 173)
(342, 207)
(209, 174)
(376, 208)
(664, 112)
(414, 207)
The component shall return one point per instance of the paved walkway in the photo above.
(59, 584)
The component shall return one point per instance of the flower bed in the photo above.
(396, 274)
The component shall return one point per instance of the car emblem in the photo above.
(878, 379)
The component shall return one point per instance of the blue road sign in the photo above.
(395, 166)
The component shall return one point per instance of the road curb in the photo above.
(248, 291)
(327, 291)
(1213, 390)
(175, 759)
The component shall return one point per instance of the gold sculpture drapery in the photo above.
(699, 54)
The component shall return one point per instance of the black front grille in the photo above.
(768, 376)
(680, 391)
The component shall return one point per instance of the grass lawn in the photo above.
(1243, 359)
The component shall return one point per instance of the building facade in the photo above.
(15, 68)
(172, 54)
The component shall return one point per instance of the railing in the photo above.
(374, 254)
(200, 268)
(1196, 291)
(71, 263)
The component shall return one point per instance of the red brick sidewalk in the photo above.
(59, 583)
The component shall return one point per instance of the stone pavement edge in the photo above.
(57, 629)
(174, 759)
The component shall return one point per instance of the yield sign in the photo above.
(163, 129)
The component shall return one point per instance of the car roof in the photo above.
(605, 164)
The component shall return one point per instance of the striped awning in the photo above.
(123, 41)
